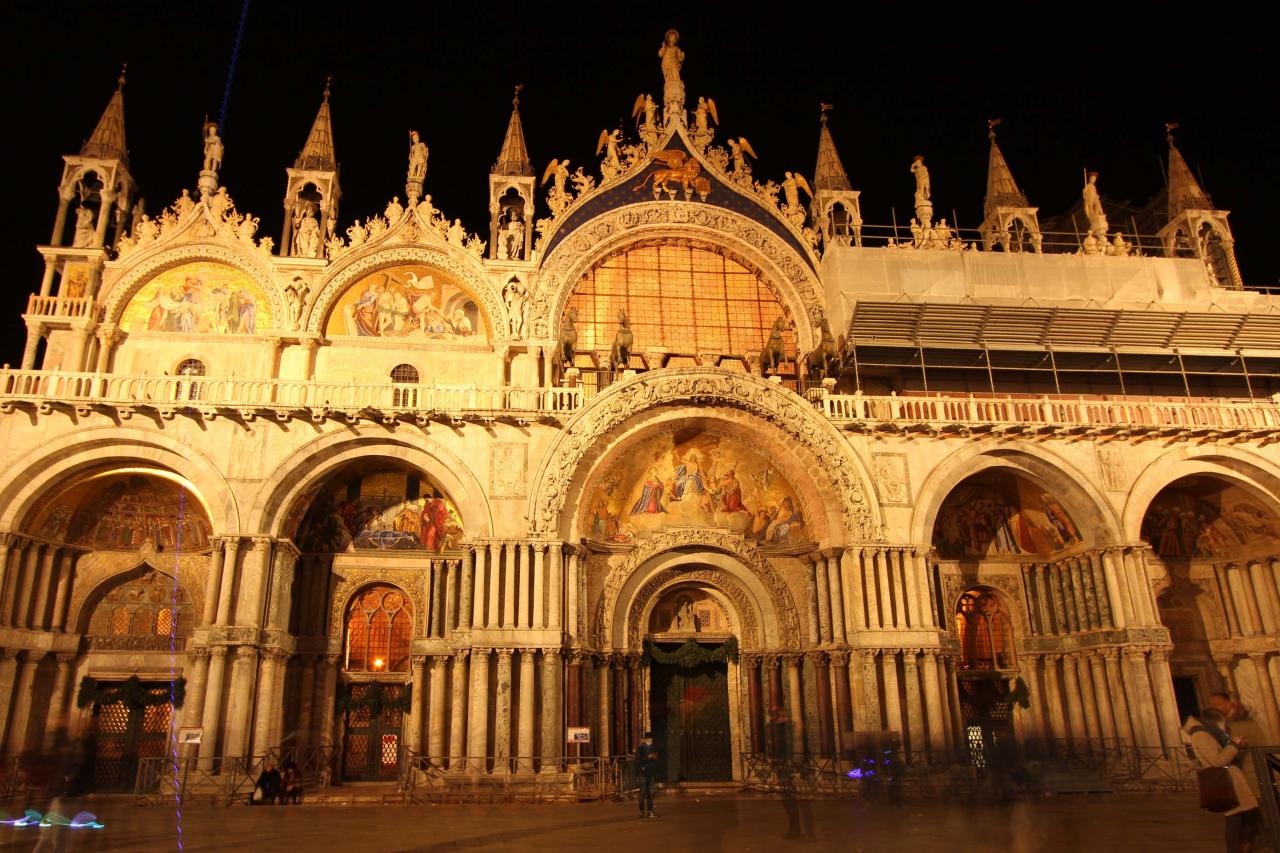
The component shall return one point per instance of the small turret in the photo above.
(312, 191)
(1195, 227)
(511, 183)
(1008, 221)
(836, 210)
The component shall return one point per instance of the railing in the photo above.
(59, 306)
(948, 236)
(509, 779)
(1124, 413)
(284, 394)
(226, 780)
(14, 782)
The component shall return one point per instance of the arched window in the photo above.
(986, 637)
(152, 605)
(404, 374)
(679, 298)
(379, 628)
(189, 385)
(190, 367)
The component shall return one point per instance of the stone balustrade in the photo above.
(60, 306)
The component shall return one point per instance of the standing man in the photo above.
(646, 759)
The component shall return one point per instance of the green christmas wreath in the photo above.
(131, 692)
(375, 700)
(692, 653)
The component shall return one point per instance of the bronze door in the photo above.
(690, 713)
(123, 735)
(371, 742)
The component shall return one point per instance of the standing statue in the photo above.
(567, 345)
(1093, 207)
(608, 143)
(705, 107)
(791, 186)
(139, 210)
(212, 147)
(739, 149)
(517, 300)
(557, 200)
(394, 210)
(417, 158)
(85, 232)
(921, 171)
(457, 234)
(514, 238)
(306, 235)
(673, 87)
(620, 354)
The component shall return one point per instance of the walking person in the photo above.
(646, 758)
(1214, 747)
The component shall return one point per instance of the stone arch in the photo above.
(100, 448)
(118, 572)
(1238, 467)
(744, 239)
(134, 276)
(352, 584)
(563, 473)
(1086, 503)
(458, 263)
(737, 568)
(1009, 605)
(311, 463)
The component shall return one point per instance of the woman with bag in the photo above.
(1223, 787)
(267, 787)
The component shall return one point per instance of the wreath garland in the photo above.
(375, 700)
(1019, 693)
(692, 653)
(131, 692)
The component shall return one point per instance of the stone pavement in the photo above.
(1167, 823)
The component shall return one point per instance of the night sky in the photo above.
(1076, 86)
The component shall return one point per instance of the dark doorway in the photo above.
(1184, 693)
(371, 741)
(689, 707)
(125, 734)
(988, 720)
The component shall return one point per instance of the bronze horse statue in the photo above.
(568, 343)
(620, 355)
(824, 360)
(775, 350)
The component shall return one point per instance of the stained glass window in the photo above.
(379, 629)
(986, 641)
(129, 609)
(679, 298)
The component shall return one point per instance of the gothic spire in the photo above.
(107, 140)
(1183, 190)
(829, 174)
(1002, 190)
(318, 154)
(513, 159)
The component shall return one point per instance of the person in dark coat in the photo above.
(269, 783)
(290, 783)
(646, 758)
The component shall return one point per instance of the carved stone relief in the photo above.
(1113, 460)
(508, 471)
(892, 478)
(714, 577)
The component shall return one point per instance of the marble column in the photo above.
(458, 706)
(479, 606)
(1167, 704)
(791, 662)
(1102, 692)
(58, 719)
(439, 593)
(821, 588)
(417, 704)
(226, 585)
(62, 592)
(822, 696)
(1246, 608)
(8, 675)
(555, 617)
(539, 586)
(521, 597)
(197, 685)
(21, 715)
(1228, 603)
(915, 708)
(604, 716)
(493, 619)
(755, 703)
(1137, 686)
(1092, 723)
(1053, 696)
(877, 587)
(27, 580)
(1074, 701)
(933, 705)
(1115, 679)
(897, 577)
(844, 707)
(473, 592)
(509, 580)
(502, 714)
(851, 587)
(240, 704)
(1265, 592)
(771, 673)
(894, 720)
(457, 595)
(436, 736)
(552, 728)
(478, 711)
(948, 724)
(327, 705)
(1117, 588)
(836, 592)
(265, 709)
(911, 585)
(212, 710)
(1265, 687)
(213, 583)
(528, 695)
(42, 602)
(306, 702)
(866, 713)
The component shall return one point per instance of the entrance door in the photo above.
(988, 721)
(124, 735)
(690, 712)
(371, 743)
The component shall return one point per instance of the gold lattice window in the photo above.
(379, 631)
(147, 606)
(679, 298)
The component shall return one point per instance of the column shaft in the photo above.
(502, 713)
(528, 695)
(435, 739)
(933, 705)
(458, 707)
(604, 716)
(211, 712)
(417, 703)
(539, 586)
(20, 717)
(821, 590)
(478, 711)
(892, 698)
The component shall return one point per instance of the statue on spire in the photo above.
(672, 57)
(208, 181)
(1093, 207)
(417, 166)
(924, 192)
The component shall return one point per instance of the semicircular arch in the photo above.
(562, 472)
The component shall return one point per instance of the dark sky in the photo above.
(1075, 88)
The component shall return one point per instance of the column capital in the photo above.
(333, 660)
(260, 542)
(218, 651)
(819, 658)
(460, 655)
(246, 652)
(200, 653)
(33, 656)
(1110, 653)
(504, 656)
(1053, 657)
(577, 657)
(481, 653)
(418, 660)
(65, 659)
(771, 660)
(839, 657)
(550, 655)
(868, 655)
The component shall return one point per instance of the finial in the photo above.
(120, 82)
(992, 124)
(822, 111)
(1169, 128)
(515, 99)
(328, 80)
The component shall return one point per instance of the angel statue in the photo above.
(791, 186)
(608, 142)
(739, 150)
(921, 171)
(646, 107)
(705, 107)
(557, 200)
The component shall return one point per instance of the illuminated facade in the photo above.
(688, 451)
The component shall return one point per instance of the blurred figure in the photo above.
(267, 788)
(646, 759)
(788, 769)
(1214, 747)
(291, 783)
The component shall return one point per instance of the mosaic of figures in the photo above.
(376, 510)
(410, 299)
(121, 511)
(199, 297)
(1002, 514)
(694, 478)
(1202, 517)
(689, 610)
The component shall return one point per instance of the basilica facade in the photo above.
(667, 446)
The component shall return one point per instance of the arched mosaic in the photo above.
(412, 301)
(199, 297)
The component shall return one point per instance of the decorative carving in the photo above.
(99, 568)
(729, 543)
(622, 400)
(407, 580)
(131, 644)
(1113, 460)
(508, 465)
(892, 479)
(214, 219)
(724, 582)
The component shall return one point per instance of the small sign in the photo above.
(190, 734)
(579, 734)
